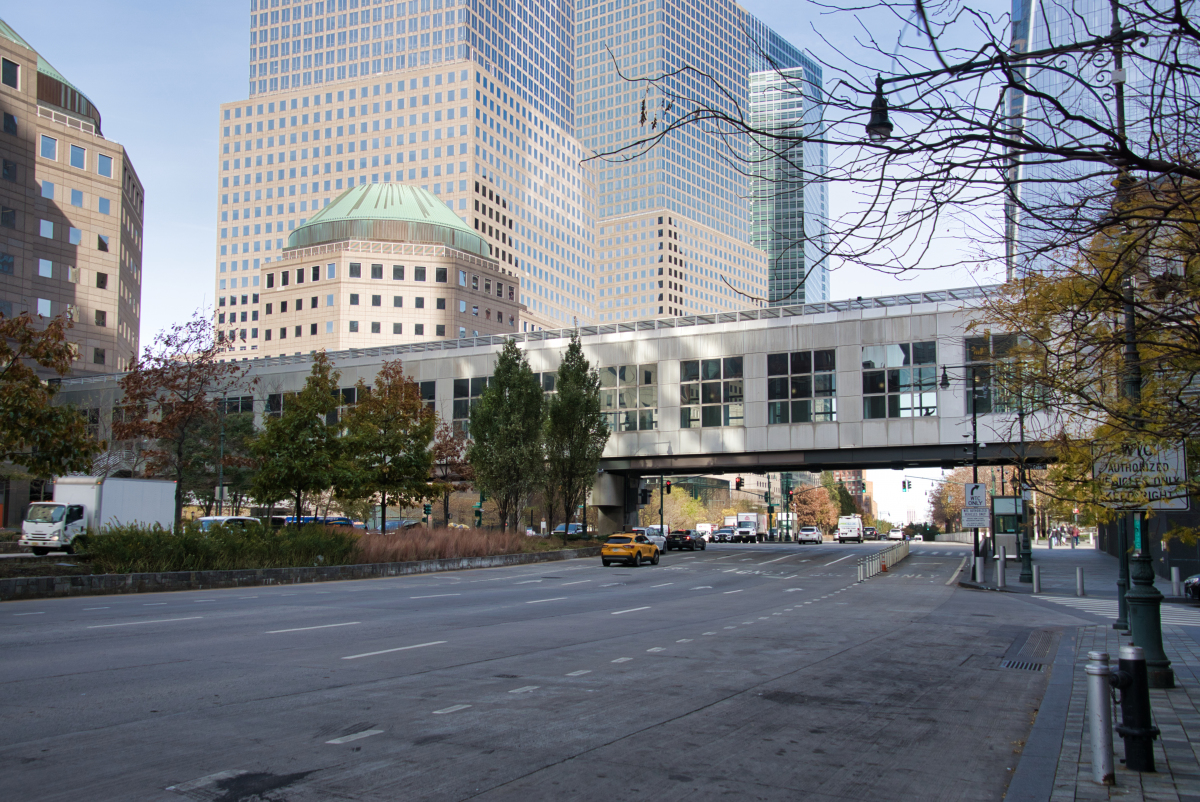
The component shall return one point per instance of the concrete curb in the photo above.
(106, 584)
(1033, 781)
(969, 585)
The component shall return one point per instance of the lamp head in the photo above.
(945, 382)
(879, 129)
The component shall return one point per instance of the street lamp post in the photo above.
(945, 385)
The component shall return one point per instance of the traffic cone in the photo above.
(884, 566)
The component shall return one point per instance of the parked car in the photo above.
(629, 548)
(575, 530)
(724, 535)
(686, 539)
(870, 533)
(228, 521)
(399, 525)
(1191, 587)
(656, 537)
(809, 534)
(895, 534)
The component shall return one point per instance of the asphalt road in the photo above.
(749, 671)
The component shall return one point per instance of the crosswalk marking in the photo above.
(1107, 608)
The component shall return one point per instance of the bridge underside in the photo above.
(816, 460)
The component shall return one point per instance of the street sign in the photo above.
(976, 494)
(975, 518)
(1145, 476)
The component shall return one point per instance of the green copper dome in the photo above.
(388, 213)
(58, 91)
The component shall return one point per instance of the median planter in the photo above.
(104, 584)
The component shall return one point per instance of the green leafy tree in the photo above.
(387, 441)
(451, 471)
(231, 464)
(43, 438)
(298, 452)
(840, 495)
(169, 400)
(507, 429)
(576, 433)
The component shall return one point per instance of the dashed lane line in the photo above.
(397, 649)
(580, 673)
(305, 629)
(154, 621)
(539, 601)
(345, 739)
(631, 610)
(450, 709)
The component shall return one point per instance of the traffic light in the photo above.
(668, 487)
(791, 495)
(905, 485)
(767, 497)
(737, 484)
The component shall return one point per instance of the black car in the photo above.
(870, 533)
(1191, 587)
(686, 539)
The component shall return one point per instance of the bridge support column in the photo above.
(609, 496)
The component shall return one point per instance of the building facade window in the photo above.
(899, 381)
(9, 73)
(49, 148)
(629, 397)
(466, 396)
(711, 392)
(79, 157)
(802, 387)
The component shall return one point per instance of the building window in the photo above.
(10, 124)
(397, 272)
(8, 217)
(74, 235)
(398, 301)
(77, 198)
(628, 397)
(45, 268)
(439, 275)
(418, 273)
(466, 396)
(462, 278)
(101, 317)
(312, 329)
(802, 387)
(102, 281)
(376, 300)
(354, 299)
(98, 356)
(10, 170)
(440, 330)
(376, 328)
(353, 326)
(48, 190)
(992, 358)
(8, 73)
(103, 205)
(46, 229)
(419, 329)
(270, 280)
(49, 147)
(43, 307)
(377, 271)
(79, 157)
(397, 328)
(102, 243)
(104, 166)
(711, 392)
(7, 263)
(419, 302)
(899, 381)
(355, 270)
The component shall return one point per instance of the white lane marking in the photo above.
(839, 559)
(345, 739)
(246, 597)
(305, 629)
(657, 649)
(580, 673)
(792, 590)
(734, 627)
(622, 660)
(155, 621)
(201, 782)
(577, 582)
(202, 601)
(38, 613)
(97, 608)
(435, 596)
(526, 689)
(703, 587)
(451, 709)
(777, 559)
(732, 591)
(663, 585)
(397, 649)
(954, 576)
(710, 633)
(765, 618)
(612, 584)
(539, 601)
(684, 640)
(155, 604)
(631, 610)
(527, 582)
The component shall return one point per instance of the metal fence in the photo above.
(881, 561)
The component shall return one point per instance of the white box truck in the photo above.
(850, 527)
(747, 528)
(94, 502)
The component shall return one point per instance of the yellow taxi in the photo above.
(630, 547)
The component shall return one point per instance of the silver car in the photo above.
(809, 534)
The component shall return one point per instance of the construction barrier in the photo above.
(881, 561)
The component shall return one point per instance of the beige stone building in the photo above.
(71, 212)
(383, 263)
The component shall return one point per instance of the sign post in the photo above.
(975, 515)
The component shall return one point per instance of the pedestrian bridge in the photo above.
(844, 384)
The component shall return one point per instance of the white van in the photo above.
(850, 527)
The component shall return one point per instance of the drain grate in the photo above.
(1021, 665)
(1037, 646)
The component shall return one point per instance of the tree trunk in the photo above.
(383, 512)
(446, 508)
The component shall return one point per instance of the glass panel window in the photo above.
(49, 147)
(802, 377)
(712, 391)
(104, 165)
(629, 397)
(79, 157)
(898, 380)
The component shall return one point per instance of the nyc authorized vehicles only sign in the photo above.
(1150, 475)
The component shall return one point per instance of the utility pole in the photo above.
(661, 482)
(221, 460)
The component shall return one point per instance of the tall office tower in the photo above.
(473, 106)
(788, 189)
(675, 221)
(71, 211)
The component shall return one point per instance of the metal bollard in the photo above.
(980, 569)
(1079, 581)
(1072, 539)
(1037, 579)
(1137, 725)
(1000, 567)
(1050, 542)
(1100, 717)
(1176, 590)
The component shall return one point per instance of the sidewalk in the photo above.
(1176, 711)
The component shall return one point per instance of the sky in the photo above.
(158, 73)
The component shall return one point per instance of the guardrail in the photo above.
(960, 537)
(881, 561)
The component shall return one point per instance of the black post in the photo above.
(975, 472)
